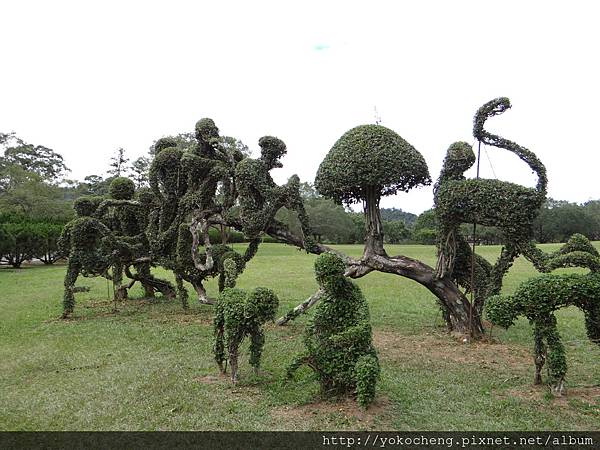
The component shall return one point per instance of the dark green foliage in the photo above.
(395, 214)
(239, 314)
(47, 237)
(560, 219)
(121, 188)
(338, 338)
(538, 298)
(22, 242)
(370, 155)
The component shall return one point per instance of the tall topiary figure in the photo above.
(510, 207)
(338, 339)
(88, 244)
(366, 163)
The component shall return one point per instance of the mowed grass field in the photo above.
(149, 366)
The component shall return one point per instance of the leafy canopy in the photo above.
(370, 156)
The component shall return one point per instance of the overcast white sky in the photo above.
(87, 77)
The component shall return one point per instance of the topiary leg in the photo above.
(233, 359)
(257, 341)
(181, 291)
(557, 363)
(539, 349)
(366, 373)
(69, 296)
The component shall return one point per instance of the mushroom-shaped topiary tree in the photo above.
(366, 163)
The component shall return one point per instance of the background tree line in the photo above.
(36, 201)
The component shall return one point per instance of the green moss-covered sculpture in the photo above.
(538, 298)
(239, 314)
(128, 219)
(260, 198)
(89, 246)
(510, 207)
(338, 339)
(366, 163)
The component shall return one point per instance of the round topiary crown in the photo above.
(370, 156)
(121, 188)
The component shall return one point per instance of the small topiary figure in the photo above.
(538, 298)
(239, 314)
(338, 339)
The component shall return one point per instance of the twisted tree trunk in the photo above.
(455, 306)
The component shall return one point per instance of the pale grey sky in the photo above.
(87, 77)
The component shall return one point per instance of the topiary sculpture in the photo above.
(366, 163)
(89, 246)
(338, 339)
(128, 220)
(239, 314)
(538, 298)
(260, 198)
(508, 206)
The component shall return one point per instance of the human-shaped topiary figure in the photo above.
(538, 298)
(510, 207)
(239, 314)
(204, 166)
(89, 246)
(128, 220)
(260, 197)
(366, 163)
(338, 339)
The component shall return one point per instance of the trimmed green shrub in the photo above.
(338, 338)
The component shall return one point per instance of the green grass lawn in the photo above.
(149, 366)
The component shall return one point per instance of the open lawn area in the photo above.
(150, 366)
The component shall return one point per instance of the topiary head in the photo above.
(370, 158)
(502, 310)
(231, 272)
(271, 150)
(329, 270)
(163, 143)
(121, 188)
(459, 158)
(86, 206)
(262, 303)
(490, 109)
(147, 198)
(578, 242)
(206, 130)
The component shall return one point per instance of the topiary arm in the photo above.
(257, 342)
(218, 343)
(299, 361)
(354, 335)
(64, 240)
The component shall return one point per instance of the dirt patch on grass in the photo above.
(394, 346)
(325, 413)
